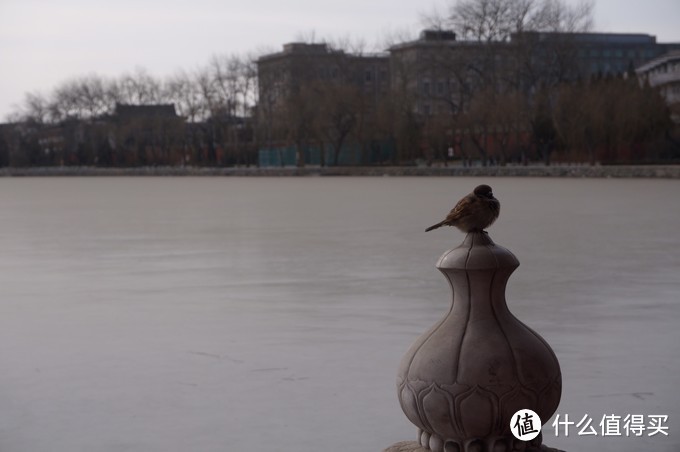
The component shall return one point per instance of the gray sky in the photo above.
(44, 42)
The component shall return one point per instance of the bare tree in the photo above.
(184, 91)
(35, 109)
(230, 86)
(299, 120)
(137, 88)
(224, 73)
(339, 114)
(91, 95)
(497, 20)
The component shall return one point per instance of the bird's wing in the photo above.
(465, 207)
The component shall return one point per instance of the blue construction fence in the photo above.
(350, 155)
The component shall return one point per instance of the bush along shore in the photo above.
(651, 171)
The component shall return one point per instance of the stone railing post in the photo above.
(461, 382)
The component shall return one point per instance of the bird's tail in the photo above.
(435, 226)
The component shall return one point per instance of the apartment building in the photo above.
(435, 77)
(664, 72)
(301, 83)
(284, 73)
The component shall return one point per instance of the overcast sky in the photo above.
(44, 42)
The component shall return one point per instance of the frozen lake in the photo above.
(263, 314)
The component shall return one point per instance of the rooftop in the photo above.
(145, 111)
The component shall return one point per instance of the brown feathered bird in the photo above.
(474, 212)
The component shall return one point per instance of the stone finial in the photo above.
(461, 381)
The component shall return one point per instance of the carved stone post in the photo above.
(461, 381)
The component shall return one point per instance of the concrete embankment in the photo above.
(651, 171)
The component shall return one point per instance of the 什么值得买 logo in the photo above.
(525, 425)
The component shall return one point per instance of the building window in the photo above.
(368, 75)
(426, 87)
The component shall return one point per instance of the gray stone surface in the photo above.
(406, 446)
(412, 446)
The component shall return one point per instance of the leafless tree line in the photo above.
(490, 101)
(214, 104)
(227, 85)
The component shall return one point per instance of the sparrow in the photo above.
(474, 212)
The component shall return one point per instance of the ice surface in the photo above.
(262, 314)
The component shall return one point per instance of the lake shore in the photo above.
(597, 171)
